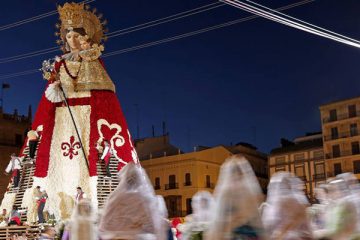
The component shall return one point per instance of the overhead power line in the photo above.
(276, 16)
(123, 31)
(166, 19)
(165, 40)
(28, 55)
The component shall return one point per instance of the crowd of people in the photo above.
(236, 210)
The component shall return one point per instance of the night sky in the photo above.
(252, 82)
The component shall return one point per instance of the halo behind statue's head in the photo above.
(78, 15)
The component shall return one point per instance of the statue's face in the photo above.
(72, 38)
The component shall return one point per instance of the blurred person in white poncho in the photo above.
(131, 211)
(237, 198)
(340, 217)
(165, 227)
(354, 194)
(297, 187)
(318, 210)
(196, 223)
(284, 216)
(82, 224)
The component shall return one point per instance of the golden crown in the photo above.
(77, 15)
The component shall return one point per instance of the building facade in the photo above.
(13, 129)
(304, 157)
(178, 176)
(340, 123)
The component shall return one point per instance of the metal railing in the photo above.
(157, 187)
(210, 185)
(340, 117)
(341, 135)
(171, 186)
(300, 161)
(187, 183)
(319, 176)
(341, 154)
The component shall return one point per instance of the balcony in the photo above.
(319, 176)
(171, 186)
(340, 117)
(157, 187)
(210, 185)
(341, 154)
(341, 135)
(187, 183)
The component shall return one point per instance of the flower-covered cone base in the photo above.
(60, 157)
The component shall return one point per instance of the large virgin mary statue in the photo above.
(90, 97)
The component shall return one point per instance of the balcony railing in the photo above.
(157, 187)
(187, 183)
(341, 135)
(210, 185)
(299, 161)
(319, 176)
(171, 186)
(341, 154)
(341, 117)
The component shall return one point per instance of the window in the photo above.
(188, 206)
(355, 148)
(318, 154)
(353, 130)
(300, 172)
(208, 182)
(337, 168)
(187, 179)
(173, 204)
(320, 168)
(334, 133)
(336, 151)
(157, 183)
(298, 157)
(172, 179)
(172, 183)
(356, 166)
(352, 111)
(319, 171)
(333, 115)
(280, 160)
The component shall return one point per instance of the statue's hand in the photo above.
(57, 83)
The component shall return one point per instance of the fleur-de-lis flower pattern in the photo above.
(70, 149)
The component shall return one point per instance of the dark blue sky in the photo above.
(214, 88)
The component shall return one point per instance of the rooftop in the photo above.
(299, 144)
(340, 101)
